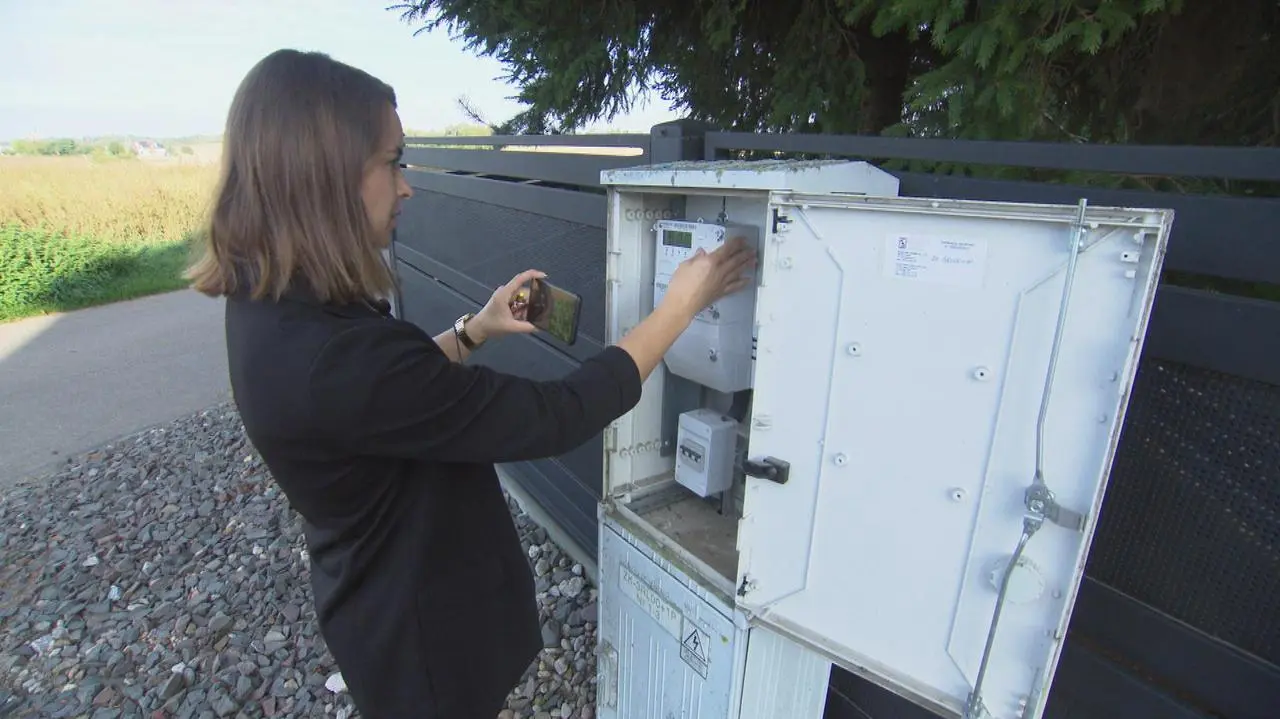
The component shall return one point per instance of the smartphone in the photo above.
(552, 309)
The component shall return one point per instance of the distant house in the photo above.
(149, 149)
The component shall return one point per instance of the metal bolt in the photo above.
(712, 355)
(1036, 506)
(981, 374)
(957, 494)
(854, 349)
(784, 263)
(841, 459)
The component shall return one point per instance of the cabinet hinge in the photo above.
(781, 221)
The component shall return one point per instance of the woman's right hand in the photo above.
(697, 282)
(707, 277)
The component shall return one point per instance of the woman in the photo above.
(381, 438)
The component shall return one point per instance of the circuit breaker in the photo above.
(716, 351)
(705, 451)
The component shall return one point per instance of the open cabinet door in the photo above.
(942, 385)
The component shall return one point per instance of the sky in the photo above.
(168, 68)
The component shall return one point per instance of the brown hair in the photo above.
(288, 207)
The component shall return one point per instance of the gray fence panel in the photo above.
(567, 205)
(489, 244)
(568, 487)
(634, 140)
(1206, 671)
(1191, 525)
(1235, 163)
(1086, 686)
(561, 168)
(1233, 335)
(473, 291)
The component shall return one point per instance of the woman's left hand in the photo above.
(498, 318)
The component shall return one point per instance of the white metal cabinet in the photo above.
(904, 351)
(669, 648)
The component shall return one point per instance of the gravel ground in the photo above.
(166, 576)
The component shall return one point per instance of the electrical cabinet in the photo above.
(919, 440)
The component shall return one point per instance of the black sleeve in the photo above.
(388, 390)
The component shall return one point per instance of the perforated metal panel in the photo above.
(1192, 520)
(491, 244)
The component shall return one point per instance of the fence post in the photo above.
(677, 140)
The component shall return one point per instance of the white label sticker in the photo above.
(662, 611)
(948, 261)
(695, 647)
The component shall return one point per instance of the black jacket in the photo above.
(386, 450)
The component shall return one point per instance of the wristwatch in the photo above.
(460, 331)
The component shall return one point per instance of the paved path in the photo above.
(74, 381)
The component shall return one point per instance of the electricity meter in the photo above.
(716, 350)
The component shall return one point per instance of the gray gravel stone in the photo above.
(166, 575)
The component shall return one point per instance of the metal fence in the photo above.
(1180, 614)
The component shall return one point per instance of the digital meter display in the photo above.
(677, 238)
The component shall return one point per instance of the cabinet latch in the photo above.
(770, 468)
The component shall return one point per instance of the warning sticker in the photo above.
(695, 647)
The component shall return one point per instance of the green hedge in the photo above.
(42, 271)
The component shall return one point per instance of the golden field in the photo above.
(107, 199)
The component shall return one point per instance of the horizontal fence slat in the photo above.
(1223, 680)
(636, 140)
(583, 208)
(1234, 237)
(1234, 163)
(562, 168)
(1233, 335)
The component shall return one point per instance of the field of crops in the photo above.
(80, 231)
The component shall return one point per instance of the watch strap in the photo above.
(460, 331)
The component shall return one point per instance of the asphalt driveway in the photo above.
(74, 381)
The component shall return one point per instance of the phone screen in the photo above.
(553, 310)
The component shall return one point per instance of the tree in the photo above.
(1156, 71)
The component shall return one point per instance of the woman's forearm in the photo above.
(649, 341)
